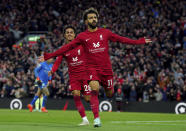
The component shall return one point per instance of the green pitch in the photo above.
(55, 120)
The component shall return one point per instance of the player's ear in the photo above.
(86, 22)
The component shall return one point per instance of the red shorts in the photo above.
(105, 80)
(81, 85)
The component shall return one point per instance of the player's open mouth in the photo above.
(94, 22)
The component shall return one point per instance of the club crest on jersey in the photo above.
(74, 59)
(101, 37)
(96, 45)
(90, 76)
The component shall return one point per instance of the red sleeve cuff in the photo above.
(142, 40)
(46, 56)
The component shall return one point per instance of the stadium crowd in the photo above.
(155, 72)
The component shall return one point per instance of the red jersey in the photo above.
(96, 48)
(76, 63)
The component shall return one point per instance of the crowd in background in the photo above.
(154, 72)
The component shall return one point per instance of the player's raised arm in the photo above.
(56, 64)
(117, 38)
(63, 49)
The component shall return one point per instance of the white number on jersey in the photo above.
(87, 88)
(110, 83)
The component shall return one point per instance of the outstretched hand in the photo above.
(148, 40)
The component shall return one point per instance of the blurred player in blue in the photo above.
(42, 81)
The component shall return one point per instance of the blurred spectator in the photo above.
(8, 89)
(184, 94)
(151, 94)
(158, 95)
(145, 96)
(172, 95)
(119, 96)
(133, 94)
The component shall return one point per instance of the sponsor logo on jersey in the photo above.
(74, 59)
(76, 63)
(97, 50)
(96, 45)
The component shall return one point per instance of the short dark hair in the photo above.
(89, 11)
(67, 27)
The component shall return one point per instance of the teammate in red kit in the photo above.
(95, 44)
(77, 75)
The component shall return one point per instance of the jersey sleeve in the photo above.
(63, 49)
(37, 69)
(57, 63)
(117, 38)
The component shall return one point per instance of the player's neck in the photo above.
(92, 30)
(67, 41)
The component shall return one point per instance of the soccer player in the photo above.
(76, 67)
(42, 80)
(95, 44)
(38, 104)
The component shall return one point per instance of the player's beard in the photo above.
(92, 26)
(70, 38)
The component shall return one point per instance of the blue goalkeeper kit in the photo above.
(41, 71)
